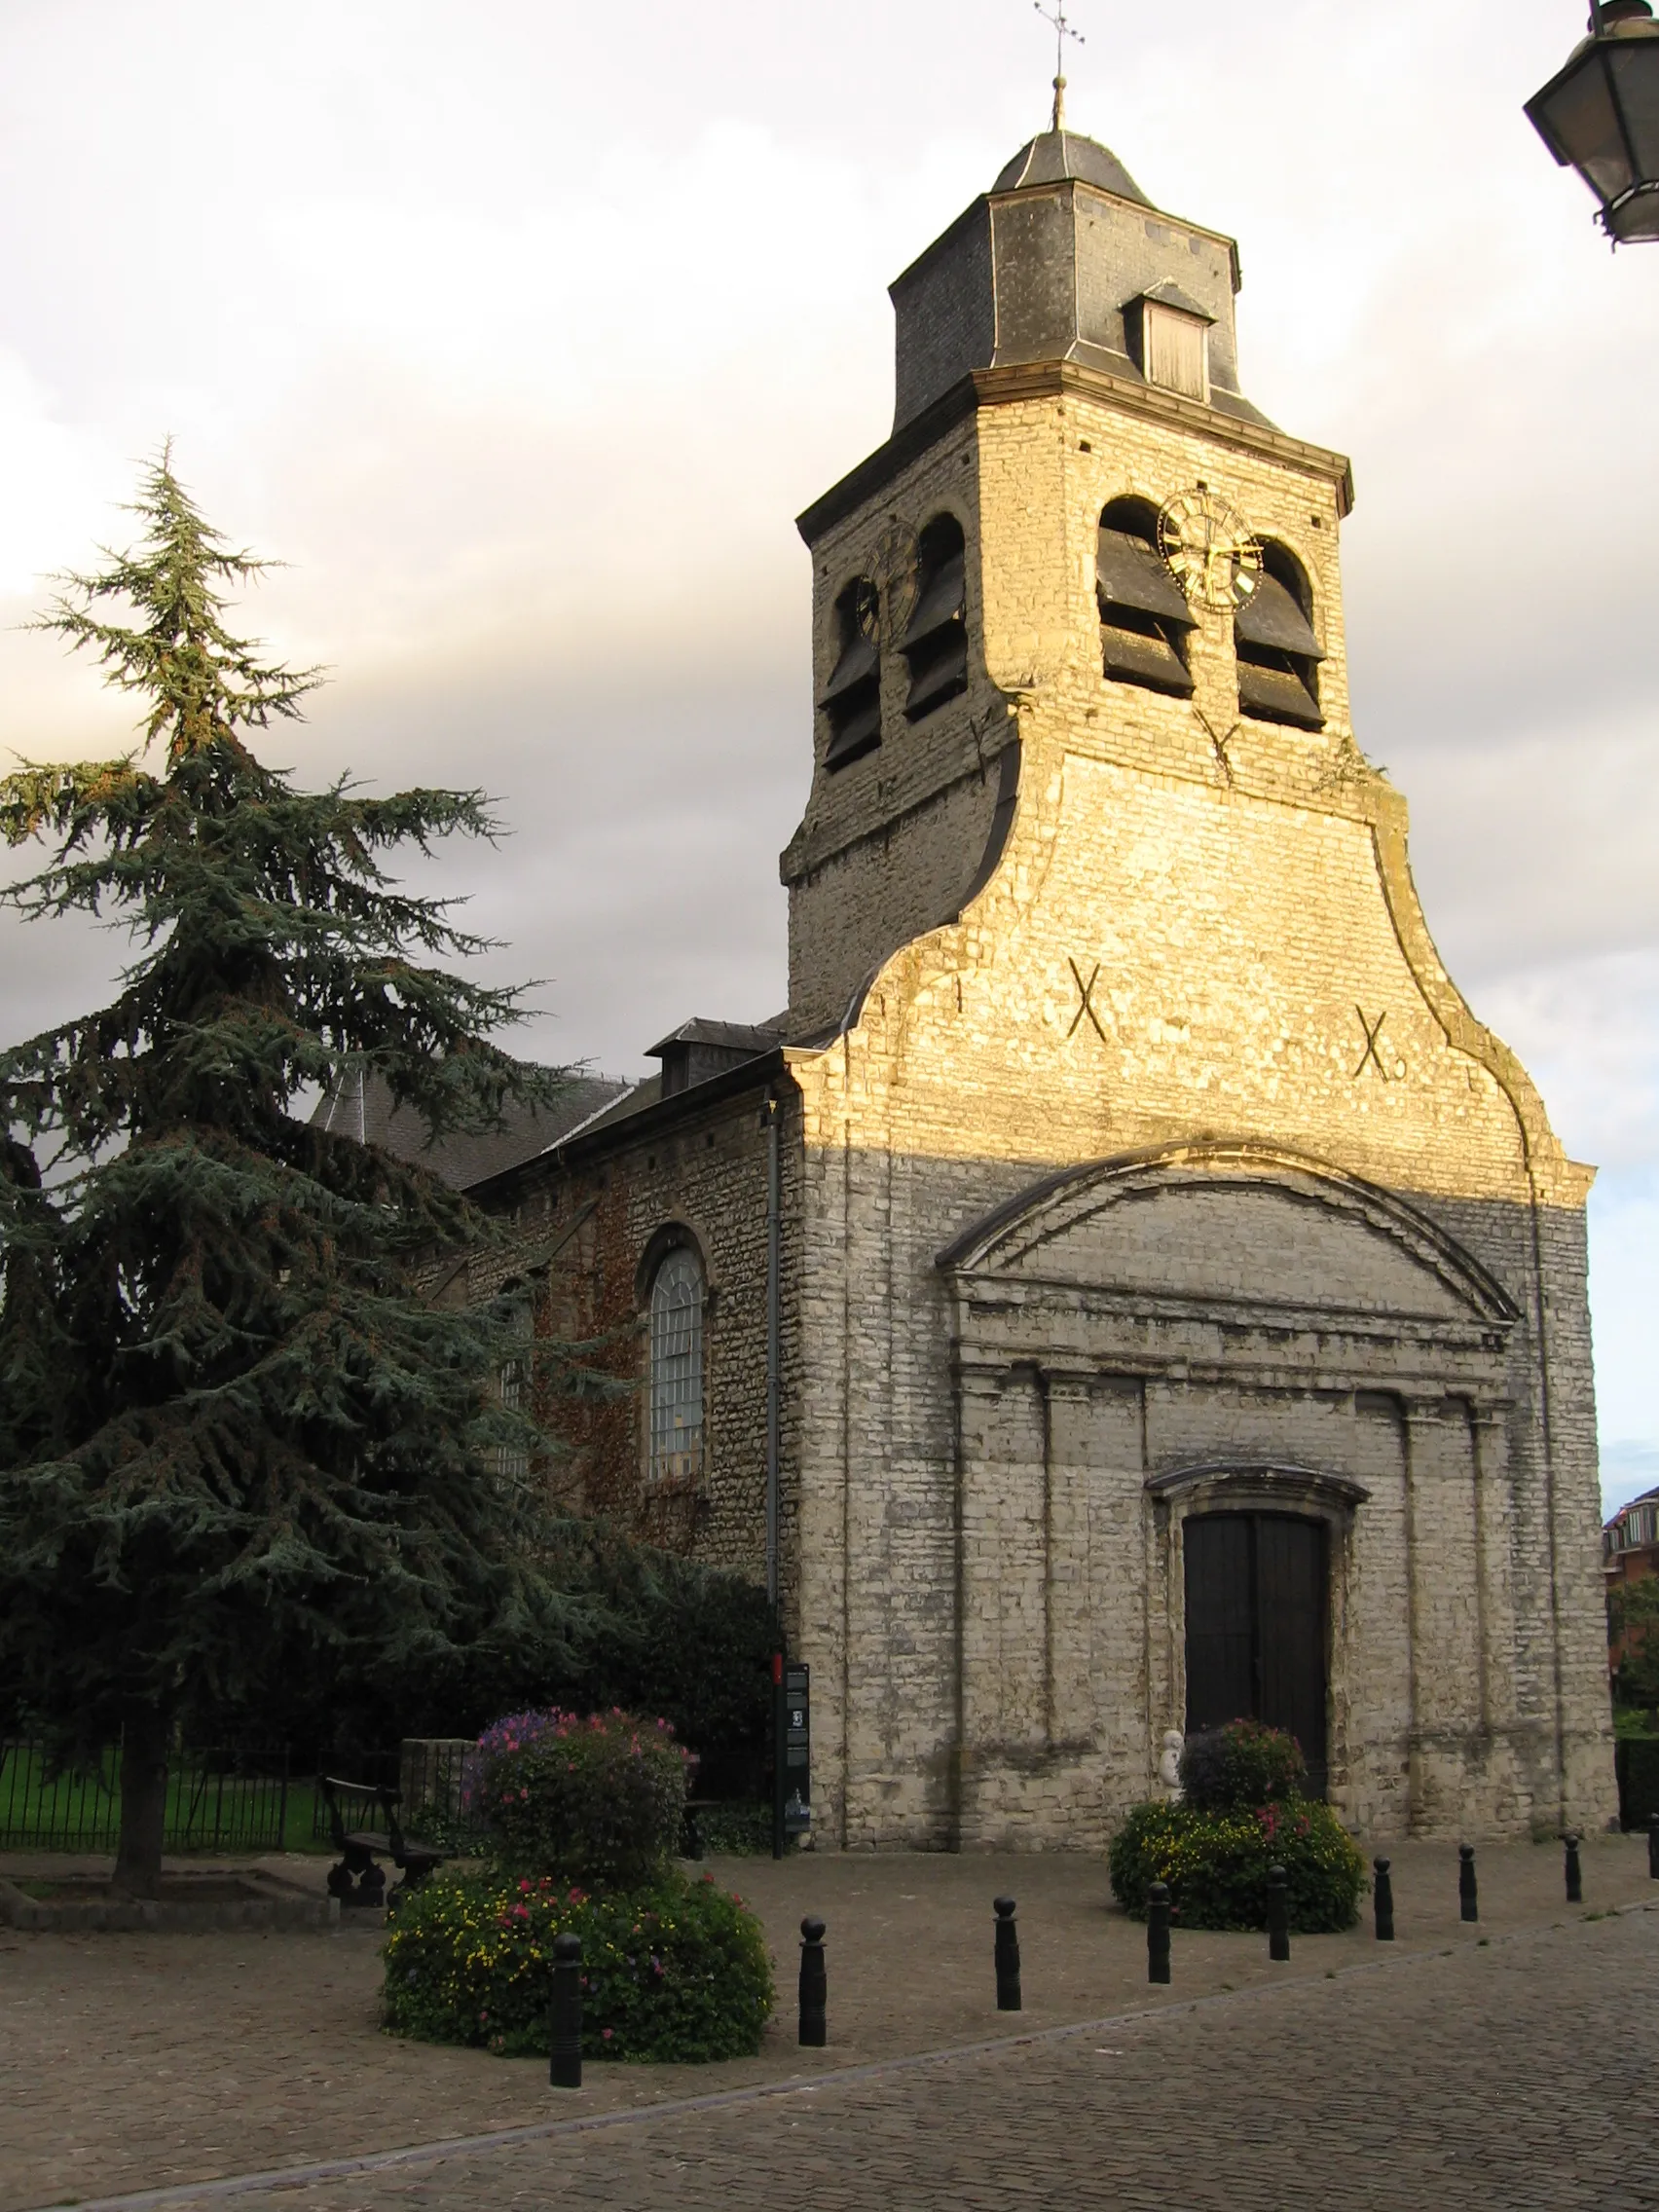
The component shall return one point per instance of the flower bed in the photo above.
(677, 1970)
(1216, 1865)
(598, 1800)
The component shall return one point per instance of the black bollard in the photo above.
(1279, 1914)
(1469, 1903)
(565, 2015)
(1653, 1848)
(1574, 1872)
(1383, 1894)
(814, 1986)
(1008, 1957)
(1158, 1931)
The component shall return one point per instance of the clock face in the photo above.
(1209, 549)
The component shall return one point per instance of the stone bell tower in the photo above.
(1062, 347)
(1191, 1313)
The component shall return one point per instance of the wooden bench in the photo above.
(358, 1880)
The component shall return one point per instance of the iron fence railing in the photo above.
(1635, 1765)
(225, 1799)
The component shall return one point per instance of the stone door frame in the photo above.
(1244, 1485)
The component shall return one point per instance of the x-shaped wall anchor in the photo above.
(1221, 744)
(1085, 995)
(1370, 1056)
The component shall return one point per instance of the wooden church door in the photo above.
(1256, 1627)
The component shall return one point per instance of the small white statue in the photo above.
(1169, 1765)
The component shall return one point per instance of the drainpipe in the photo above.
(771, 1115)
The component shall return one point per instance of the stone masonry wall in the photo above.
(1201, 927)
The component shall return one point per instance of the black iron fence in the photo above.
(217, 1800)
(1636, 1763)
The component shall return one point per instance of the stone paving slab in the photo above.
(134, 2062)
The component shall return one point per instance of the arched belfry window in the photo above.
(936, 637)
(676, 1367)
(1279, 653)
(852, 698)
(1145, 619)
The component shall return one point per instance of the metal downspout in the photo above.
(772, 1113)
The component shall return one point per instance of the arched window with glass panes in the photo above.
(677, 1368)
(512, 1388)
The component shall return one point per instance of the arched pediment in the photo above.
(1231, 1223)
(1242, 1482)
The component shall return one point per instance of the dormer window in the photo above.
(852, 698)
(1278, 654)
(935, 639)
(1173, 333)
(1145, 620)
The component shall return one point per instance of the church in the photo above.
(1128, 1287)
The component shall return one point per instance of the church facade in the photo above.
(1129, 1287)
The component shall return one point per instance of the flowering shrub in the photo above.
(1216, 1865)
(677, 1970)
(598, 1800)
(1244, 1765)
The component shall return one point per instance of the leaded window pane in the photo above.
(677, 1368)
(512, 1389)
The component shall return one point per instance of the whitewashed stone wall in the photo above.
(1351, 1280)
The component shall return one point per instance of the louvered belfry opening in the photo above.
(1145, 620)
(1175, 349)
(1278, 654)
(936, 638)
(852, 698)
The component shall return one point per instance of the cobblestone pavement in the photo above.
(1515, 2076)
(128, 2063)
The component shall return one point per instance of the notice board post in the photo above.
(791, 1752)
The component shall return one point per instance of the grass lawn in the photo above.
(208, 1813)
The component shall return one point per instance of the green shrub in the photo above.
(742, 1828)
(1216, 1865)
(641, 1628)
(677, 1970)
(649, 1632)
(1242, 1765)
(598, 1800)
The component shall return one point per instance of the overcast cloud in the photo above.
(524, 330)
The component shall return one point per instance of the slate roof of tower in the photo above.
(1059, 153)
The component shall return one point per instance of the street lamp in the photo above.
(1600, 114)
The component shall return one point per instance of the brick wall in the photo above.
(695, 1170)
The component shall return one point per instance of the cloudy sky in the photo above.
(522, 331)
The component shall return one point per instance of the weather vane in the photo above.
(1056, 16)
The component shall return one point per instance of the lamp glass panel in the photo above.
(1580, 118)
(1637, 217)
(1634, 65)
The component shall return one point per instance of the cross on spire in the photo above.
(1056, 16)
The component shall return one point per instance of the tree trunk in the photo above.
(143, 1800)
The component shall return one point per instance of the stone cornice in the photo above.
(1046, 380)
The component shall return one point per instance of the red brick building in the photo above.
(1630, 1550)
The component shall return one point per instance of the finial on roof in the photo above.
(1062, 31)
